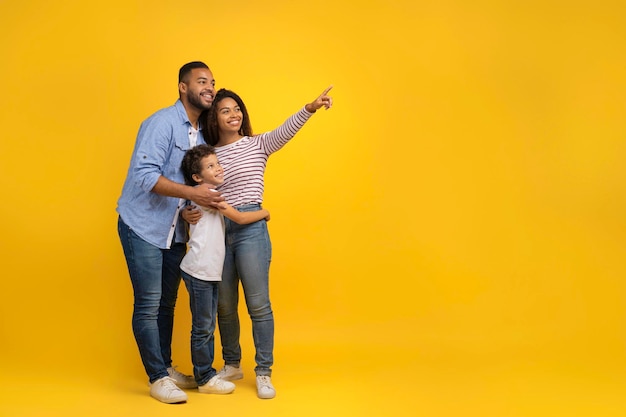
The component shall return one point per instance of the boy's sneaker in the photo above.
(216, 385)
(182, 380)
(230, 373)
(165, 390)
(264, 387)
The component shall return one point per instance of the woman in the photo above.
(248, 248)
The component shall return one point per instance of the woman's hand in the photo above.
(324, 100)
(191, 214)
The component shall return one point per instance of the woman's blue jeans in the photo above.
(155, 275)
(203, 303)
(248, 256)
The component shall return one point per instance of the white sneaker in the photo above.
(264, 387)
(230, 373)
(216, 385)
(165, 390)
(182, 380)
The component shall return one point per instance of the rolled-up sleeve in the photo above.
(161, 143)
(154, 142)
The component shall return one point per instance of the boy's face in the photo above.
(212, 172)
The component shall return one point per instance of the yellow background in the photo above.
(448, 240)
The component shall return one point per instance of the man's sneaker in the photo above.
(216, 385)
(264, 387)
(165, 390)
(230, 373)
(182, 380)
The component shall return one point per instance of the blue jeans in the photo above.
(248, 255)
(155, 275)
(203, 303)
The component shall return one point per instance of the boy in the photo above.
(201, 268)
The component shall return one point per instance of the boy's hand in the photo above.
(191, 214)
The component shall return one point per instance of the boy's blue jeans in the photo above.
(248, 256)
(203, 303)
(155, 276)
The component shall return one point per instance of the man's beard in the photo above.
(196, 101)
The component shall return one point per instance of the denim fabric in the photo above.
(203, 303)
(155, 276)
(248, 256)
(161, 143)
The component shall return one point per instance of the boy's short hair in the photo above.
(192, 159)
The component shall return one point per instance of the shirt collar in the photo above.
(182, 113)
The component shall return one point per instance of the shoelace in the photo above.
(219, 382)
(169, 385)
(265, 381)
(178, 374)
(227, 369)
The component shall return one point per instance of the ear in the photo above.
(196, 178)
(182, 88)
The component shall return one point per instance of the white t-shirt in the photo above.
(205, 258)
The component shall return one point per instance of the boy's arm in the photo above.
(243, 217)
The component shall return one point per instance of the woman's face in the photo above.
(229, 115)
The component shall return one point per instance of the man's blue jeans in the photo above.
(155, 275)
(248, 256)
(203, 303)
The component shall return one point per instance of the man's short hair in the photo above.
(186, 69)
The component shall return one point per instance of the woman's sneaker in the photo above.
(182, 380)
(165, 390)
(264, 387)
(230, 373)
(216, 385)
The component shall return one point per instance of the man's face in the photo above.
(199, 87)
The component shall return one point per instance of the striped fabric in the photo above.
(244, 161)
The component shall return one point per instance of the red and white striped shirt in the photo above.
(244, 161)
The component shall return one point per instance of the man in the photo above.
(151, 232)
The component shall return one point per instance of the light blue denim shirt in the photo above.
(162, 141)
